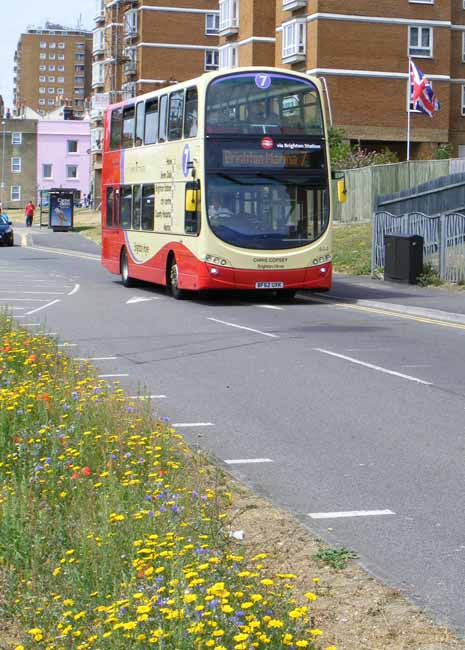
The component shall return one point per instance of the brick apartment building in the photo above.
(362, 52)
(140, 46)
(52, 67)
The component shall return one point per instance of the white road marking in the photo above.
(269, 307)
(67, 345)
(242, 327)
(51, 293)
(248, 461)
(95, 358)
(349, 513)
(74, 290)
(192, 424)
(23, 300)
(133, 301)
(59, 251)
(373, 367)
(32, 324)
(114, 375)
(49, 304)
(147, 397)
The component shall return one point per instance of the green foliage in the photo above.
(443, 152)
(345, 156)
(337, 558)
(429, 277)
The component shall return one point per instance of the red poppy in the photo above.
(74, 475)
(86, 471)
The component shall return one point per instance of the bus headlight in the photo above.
(219, 261)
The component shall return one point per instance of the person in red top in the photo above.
(29, 212)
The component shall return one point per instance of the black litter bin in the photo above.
(403, 258)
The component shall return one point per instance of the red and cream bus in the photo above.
(221, 182)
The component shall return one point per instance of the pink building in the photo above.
(63, 155)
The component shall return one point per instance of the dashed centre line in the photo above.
(373, 367)
(181, 425)
(349, 513)
(242, 327)
(247, 461)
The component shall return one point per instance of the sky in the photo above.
(18, 15)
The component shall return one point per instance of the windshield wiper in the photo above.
(232, 179)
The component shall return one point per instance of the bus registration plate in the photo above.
(269, 285)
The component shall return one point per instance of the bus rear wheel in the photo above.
(124, 265)
(173, 278)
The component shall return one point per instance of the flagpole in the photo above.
(408, 110)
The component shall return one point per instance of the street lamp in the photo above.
(3, 161)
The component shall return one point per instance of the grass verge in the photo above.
(113, 534)
(352, 248)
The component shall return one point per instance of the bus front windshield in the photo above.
(265, 212)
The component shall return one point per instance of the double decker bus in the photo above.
(221, 182)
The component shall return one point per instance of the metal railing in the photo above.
(443, 240)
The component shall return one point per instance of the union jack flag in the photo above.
(422, 95)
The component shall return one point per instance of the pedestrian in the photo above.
(29, 212)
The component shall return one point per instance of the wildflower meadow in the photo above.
(113, 533)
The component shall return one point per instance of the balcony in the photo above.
(229, 17)
(98, 83)
(291, 5)
(130, 68)
(130, 34)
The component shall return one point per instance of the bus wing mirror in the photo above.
(191, 200)
(192, 208)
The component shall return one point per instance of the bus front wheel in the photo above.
(173, 279)
(124, 265)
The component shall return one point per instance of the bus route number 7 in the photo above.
(263, 81)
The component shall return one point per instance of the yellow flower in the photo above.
(316, 632)
(311, 596)
(302, 644)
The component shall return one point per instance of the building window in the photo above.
(51, 91)
(420, 41)
(47, 170)
(79, 68)
(463, 87)
(61, 46)
(80, 57)
(61, 68)
(130, 22)
(423, 2)
(229, 16)
(42, 79)
(71, 171)
(52, 46)
(15, 193)
(42, 68)
(77, 80)
(211, 59)
(294, 41)
(80, 46)
(51, 80)
(79, 102)
(97, 74)
(61, 57)
(43, 45)
(60, 91)
(72, 146)
(212, 24)
(51, 68)
(41, 102)
(42, 91)
(52, 56)
(51, 102)
(79, 91)
(60, 80)
(16, 165)
(42, 55)
(98, 41)
(463, 44)
(228, 57)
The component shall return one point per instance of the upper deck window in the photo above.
(151, 121)
(248, 103)
(116, 128)
(191, 113)
(128, 127)
(176, 115)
